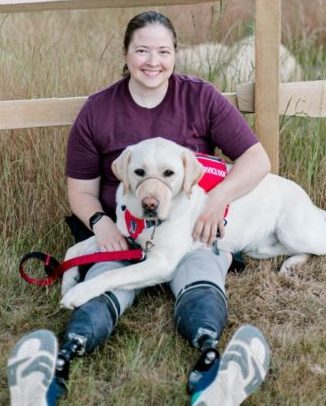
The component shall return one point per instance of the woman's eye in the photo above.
(140, 172)
(167, 173)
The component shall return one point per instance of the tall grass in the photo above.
(145, 362)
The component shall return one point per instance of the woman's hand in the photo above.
(108, 236)
(247, 171)
(211, 221)
(84, 202)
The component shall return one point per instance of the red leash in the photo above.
(55, 270)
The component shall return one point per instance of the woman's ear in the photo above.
(120, 168)
(193, 171)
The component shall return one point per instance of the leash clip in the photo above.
(150, 243)
(148, 246)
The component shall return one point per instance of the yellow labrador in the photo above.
(160, 179)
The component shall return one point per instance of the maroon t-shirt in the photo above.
(193, 114)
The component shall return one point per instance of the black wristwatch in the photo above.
(95, 218)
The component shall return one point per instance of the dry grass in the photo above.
(145, 362)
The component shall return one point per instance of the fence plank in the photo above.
(39, 112)
(306, 99)
(296, 99)
(14, 6)
(268, 37)
(303, 98)
(16, 114)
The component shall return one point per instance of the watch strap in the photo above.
(95, 218)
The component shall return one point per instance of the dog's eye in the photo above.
(140, 172)
(167, 173)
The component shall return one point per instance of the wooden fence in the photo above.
(267, 98)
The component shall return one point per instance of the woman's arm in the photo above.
(248, 170)
(84, 202)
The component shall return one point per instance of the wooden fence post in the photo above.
(268, 38)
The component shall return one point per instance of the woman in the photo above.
(150, 101)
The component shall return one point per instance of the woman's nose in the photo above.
(152, 58)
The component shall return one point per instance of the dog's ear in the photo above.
(120, 168)
(193, 171)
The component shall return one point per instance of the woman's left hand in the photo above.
(211, 221)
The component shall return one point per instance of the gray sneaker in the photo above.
(243, 367)
(31, 366)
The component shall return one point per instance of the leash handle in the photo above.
(50, 265)
(55, 270)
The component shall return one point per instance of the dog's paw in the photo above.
(293, 263)
(77, 296)
(69, 280)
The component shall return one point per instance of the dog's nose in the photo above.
(150, 204)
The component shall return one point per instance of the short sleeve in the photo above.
(83, 158)
(228, 129)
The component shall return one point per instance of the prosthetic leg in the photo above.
(201, 316)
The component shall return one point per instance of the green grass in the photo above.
(145, 362)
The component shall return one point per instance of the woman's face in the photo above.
(151, 57)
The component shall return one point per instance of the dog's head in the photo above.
(153, 172)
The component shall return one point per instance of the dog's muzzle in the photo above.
(150, 206)
(152, 196)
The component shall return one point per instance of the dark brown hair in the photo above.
(142, 20)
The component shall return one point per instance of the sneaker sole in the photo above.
(31, 366)
(243, 367)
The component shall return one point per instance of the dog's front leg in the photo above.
(155, 269)
(70, 278)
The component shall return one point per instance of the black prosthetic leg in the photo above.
(201, 315)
